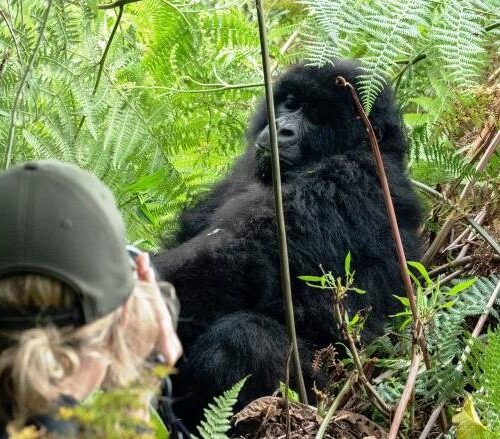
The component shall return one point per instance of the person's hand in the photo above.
(169, 344)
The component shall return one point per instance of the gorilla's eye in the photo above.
(291, 103)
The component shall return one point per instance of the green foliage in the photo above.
(483, 371)
(386, 32)
(149, 125)
(217, 420)
(292, 394)
(430, 297)
(447, 336)
(435, 53)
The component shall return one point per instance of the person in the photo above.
(74, 316)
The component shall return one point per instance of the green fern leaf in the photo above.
(218, 416)
(459, 38)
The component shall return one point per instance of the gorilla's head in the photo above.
(317, 119)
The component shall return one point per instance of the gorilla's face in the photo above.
(293, 127)
(314, 120)
(317, 119)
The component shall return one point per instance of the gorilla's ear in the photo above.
(388, 123)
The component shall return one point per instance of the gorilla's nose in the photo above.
(287, 135)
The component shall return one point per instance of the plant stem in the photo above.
(118, 3)
(370, 390)
(278, 204)
(24, 79)
(102, 61)
(335, 405)
(287, 387)
(392, 219)
(12, 34)
(407, 392)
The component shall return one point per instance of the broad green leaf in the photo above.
(159, 427)
(468, 423)
(292, 394)
(422, 270)
(460, 287)
(404, 300)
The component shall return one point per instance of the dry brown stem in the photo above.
(407, 392)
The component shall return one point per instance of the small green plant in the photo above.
(431, 298)
(217, 420)
(293, 396)
(340, 287)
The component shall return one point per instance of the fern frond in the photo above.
(217, 420)
(459, 39)
(333, 29)
(394, 25)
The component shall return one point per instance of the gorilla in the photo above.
(226, 267)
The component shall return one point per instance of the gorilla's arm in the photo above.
(199, 216)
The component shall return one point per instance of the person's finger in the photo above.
(169, 344)
(144, 270)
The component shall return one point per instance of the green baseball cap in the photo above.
(60, 221)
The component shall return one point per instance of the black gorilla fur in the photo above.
(226, 269)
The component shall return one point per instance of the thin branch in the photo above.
(118, 3)
(17, 99)
(407, 392)
(287, 388)
(102, 61)
(473, 222)
(106, 49)
(463, 358)
(285, 47)
(486, 236)
(278, 203)
(13, 35)
(411, 62)
(460, 262)
(201, 90)
(377, 156)
(335, 405)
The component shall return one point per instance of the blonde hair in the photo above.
(35, 362)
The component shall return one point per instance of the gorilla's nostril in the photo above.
(286, 132)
